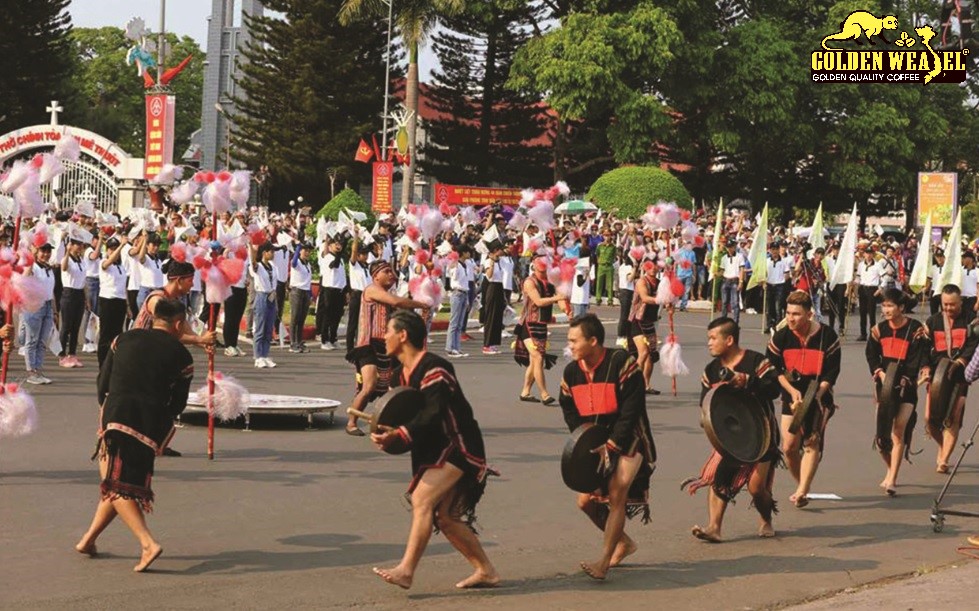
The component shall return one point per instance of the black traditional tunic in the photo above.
(724, 474)
(908, 346)
(370, 348)
(642, 319)
(142, 386)
(953, 341)
(445, 431)
(533, 326)
(804, 359)
(614, 396)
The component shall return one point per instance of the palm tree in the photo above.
(414, 19)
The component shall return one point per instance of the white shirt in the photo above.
(732, 266)
(129, 262)
(92, 266)
(263, 275)
(301, 276)
(334, 278)
(74, 276)
(506, 266)
(113, 281)
(280, 261)
(777, 271)
(969, 281)
(580, 294)
(46, 276)
(497, 271)
(150, 273)
(458, 278)
(471, 271)
(359, 277)
(869, 275)
(624, 282)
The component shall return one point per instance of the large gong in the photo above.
(736, 423)
(579, 463)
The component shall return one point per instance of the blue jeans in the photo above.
(144, 292)
(578, 309)
(687, 287)
(264, 322)
(701, 274)
(459, 305)
(730, 299)
(38, 325)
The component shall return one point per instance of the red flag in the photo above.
(364, 152)
(377, 149)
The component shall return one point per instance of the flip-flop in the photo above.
(801, 501)
(529, 398)
(549, 401)
(942, 468)
(891, 492)
(652, 391)
(356, 432)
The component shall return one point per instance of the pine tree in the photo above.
(35, 60)
(486, 133)
(310, 88)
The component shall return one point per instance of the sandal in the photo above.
(355, 431)
(942, 468)
(652, 391)
(548, 401)
(529, 398)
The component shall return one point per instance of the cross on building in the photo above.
(54, 109)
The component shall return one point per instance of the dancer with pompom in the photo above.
(643, 343)
(333, 282)
(40, 322)
(143, 385)
(369, 356)
(725, 476)
(530, 347)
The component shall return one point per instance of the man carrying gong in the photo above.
(749, 372)
(604, 386)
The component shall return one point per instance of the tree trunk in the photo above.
(560, 150)
(411, 103)
(489, 100)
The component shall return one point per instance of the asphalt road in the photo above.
(285, 517)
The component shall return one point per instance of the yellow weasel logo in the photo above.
(862, 22)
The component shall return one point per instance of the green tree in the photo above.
(415, 19)
(485, 133)
(605, 65)
(112, 96)
(310, 89)
(36, 61)
(628, 191)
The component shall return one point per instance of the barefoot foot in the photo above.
(767, 531)
(622, 551)
(396, 576)
(799, 499)
(706, 534)
(479, 579)
(88, 549)
(594, 570)
(150, 554)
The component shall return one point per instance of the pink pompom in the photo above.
(685, 215)
(16, 176)
(184, 193)
(637, 253)
(542, 215)
(412, 232)
(224, 176)
(422, 257)
(562, 188)
(664, 292)
(37, 161)
(68, 148)
(554, 275)
(677, 286)
(231, 268)
(699, 241)
(200, 261)
(257, 235)
(18, 414)
(240, 187)
(178, 252)
(518, 221)
(436, 272)
(431, 223)
(551, 194)
(231, 400)
(218, 289)
(648, 266)
(40, 236)
(51, 166)
(448, 210)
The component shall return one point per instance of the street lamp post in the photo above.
(387, 83)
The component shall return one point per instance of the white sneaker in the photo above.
(230, 351)
(261, 364)
(455, 354)
(327, 346)
(33, 378)
(270, 363)
(44, 379)
(89, 347)
(22, 351)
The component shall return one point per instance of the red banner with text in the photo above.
(382, 197)
(159, 132)
(455, 195)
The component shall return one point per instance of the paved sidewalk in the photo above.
(949, 587)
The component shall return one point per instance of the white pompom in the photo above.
(18, 414)
(51, 166)
(231, 399)
(664, 292)
(68, 148)
(16, 176)
(562, 188)
(671, 359)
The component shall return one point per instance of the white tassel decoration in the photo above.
(671, 359)
(231, 399)
(18, 414)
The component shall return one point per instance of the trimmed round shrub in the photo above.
(348, 198)
(628, 191)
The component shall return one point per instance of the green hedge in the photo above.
(348, 198)
(628, 191)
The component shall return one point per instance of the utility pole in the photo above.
(161, 41)
(387, 85)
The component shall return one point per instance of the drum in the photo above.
(736, 422)
(802, 410)
(396, 408)
(945, 391)
(579, 464)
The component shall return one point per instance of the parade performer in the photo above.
(950, 334)
(903, 340)
(142, 386)
(530, 351)
(724, 475)
(642, 335)
(373, 365)
(604, 386)
(495, 300)
(112, 294)
(803, 351)
(448, 461)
